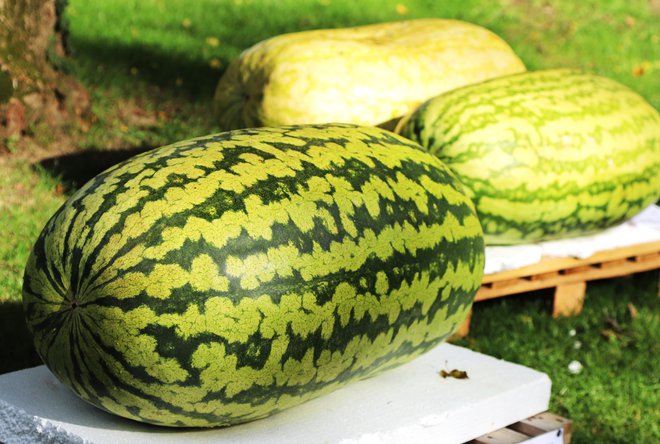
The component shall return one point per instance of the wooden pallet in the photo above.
(568, 277)
(543, 428)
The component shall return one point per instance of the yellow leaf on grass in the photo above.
(213, 42)
(641, 68)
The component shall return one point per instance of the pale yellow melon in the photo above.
(366, 75)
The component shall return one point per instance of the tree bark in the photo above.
(34, 93)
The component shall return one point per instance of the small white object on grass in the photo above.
(575, 367)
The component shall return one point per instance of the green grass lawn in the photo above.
(151, 67)
(28, 200)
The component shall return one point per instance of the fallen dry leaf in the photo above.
(641, 68)
(638, 71)
(457, 374)
(613, 324)
(609, 334)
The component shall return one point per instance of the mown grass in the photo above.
(27, 200)
(151, 67)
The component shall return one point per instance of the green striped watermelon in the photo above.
(225, 278)
(546, 154)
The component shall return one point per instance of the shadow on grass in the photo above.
(75, 169)
(121, 64)
(16, 346)
(189, 70)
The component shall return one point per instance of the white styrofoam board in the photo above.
(411, 403)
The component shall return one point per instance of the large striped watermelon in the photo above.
(366, 75)
(545, 154)
(225, 278)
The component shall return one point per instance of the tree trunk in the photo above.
(34, 94)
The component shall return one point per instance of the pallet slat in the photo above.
(577, 270)
(568, 276)
(544, 428)
(647, 257)
(566, 271)
(549, 264)
(569, 299)
(502, 436)
(543, 423)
